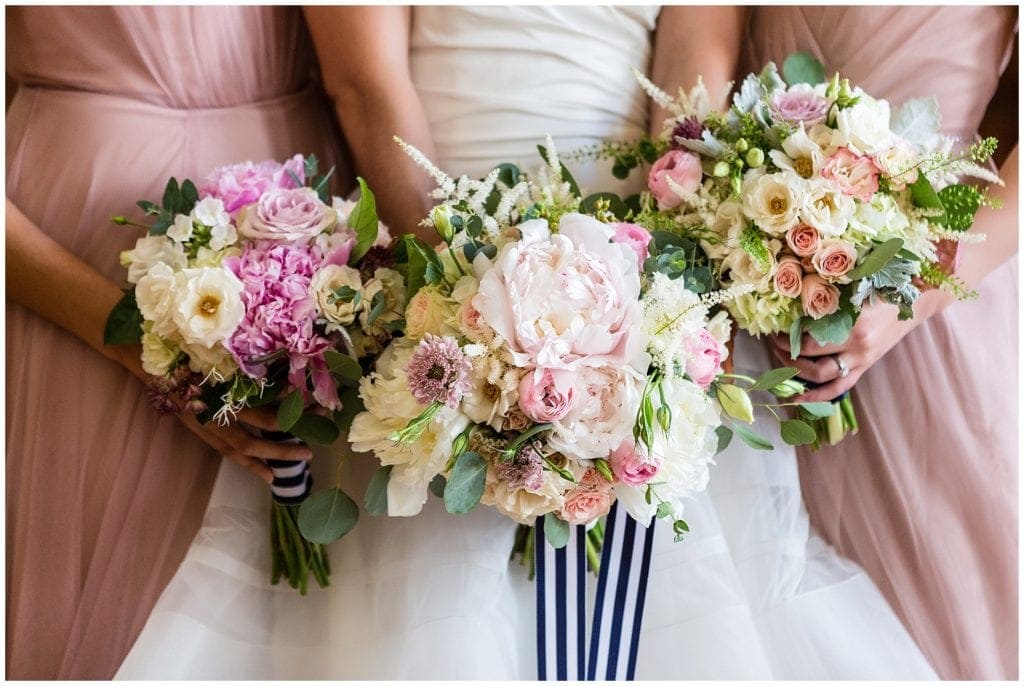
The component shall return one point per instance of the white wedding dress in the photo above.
(750, 594)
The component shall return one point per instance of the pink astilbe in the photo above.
(280, 314)
(438, 371)
(238, 185)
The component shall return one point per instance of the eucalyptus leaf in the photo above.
(833, 328)
(124, 323)
(724, 435)
(819, 410)
(314, 429)
(800, 67)
(290, 410)
(556, 531)
(773, 377)
(465, 483)
(752, 439)
(664, 510)
(797, 432)
(376, 499)
(363, 220)
(437, 485)
(796, 337)
(327, 515)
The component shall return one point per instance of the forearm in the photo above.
(691, 42)
(998, 225)
(55, 284)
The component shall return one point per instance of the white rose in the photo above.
(151, 250)
(772, 201)
(181, 229)
(157, 354)
(866, 125)
(210, 212)
(155, 296)
(208, 305)
(826, 208)
(324, 284)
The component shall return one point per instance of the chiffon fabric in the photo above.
(925, 495)
(103, 496)
(750, 594)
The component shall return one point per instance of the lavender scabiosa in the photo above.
(524, 471)
(438, 376)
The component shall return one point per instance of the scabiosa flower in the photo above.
(438, 371)
(524, 471)
(690, 129)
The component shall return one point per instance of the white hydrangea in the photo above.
(763, 312)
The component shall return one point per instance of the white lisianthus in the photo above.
(157, 354)
(764, 312)
(149, 251)
(429, 311)
(772, 201)
(336, 312)
(865, 126)
(210, 212)
(826, 138)
(390, 283)
(493, 390)
(155, 295)
(208, 305)
(799, 155)
(181, 229)
(222, 235)
(826, 208)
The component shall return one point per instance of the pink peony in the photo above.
(789, 277)
(546, 396)
(803, 239)
(591, 498)
(856, 175)
(636, 237)
(820, 298)
(631, 465)
(238, 185)
(684, 170)
(799, 104)
(279, 316)
(286, 215)
(703, 358)
(834, 259)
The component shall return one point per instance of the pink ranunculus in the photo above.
(834, 259)
(803, 239)
(631, 465)
(636, 237)
(684, 170)
(589, 499)
(566, 300)
(799, 104)
(546, 396)
(286, 215)
(819, 297)
(856, 175)
(789, 277)
(238, 185)
(703, 358)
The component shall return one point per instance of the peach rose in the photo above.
(683, 168)
(820, 298)
(834, 259)
(589, 499)
(789, 277)
(803, 239)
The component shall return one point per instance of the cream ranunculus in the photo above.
(152, 250)
(337, 310)
(208, 305)
(155, 296)
(772, 201)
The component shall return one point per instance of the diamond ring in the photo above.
(844, 371)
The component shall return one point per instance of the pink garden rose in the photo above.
(238, 185)
(590, 499)
(803, 240)
(820, 298)
(703, 358)
(856, 175)
(834, 259)
(683, 168)
(631, 465)
(799, 104)
(789, 277)
(546, 396)
(286, 215)
(636, 237)
(565, 300)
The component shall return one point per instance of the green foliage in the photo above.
(800, 67)
(877, 258)
(753, 244)
(752, 439)
(961, 203)
(796, 336)
(351, 405)
(314, 429)
(833, 328)
(124, 323)
(556, 531)
(466, 483)
(797, 432)
(437, 485)
(363, 221)
(819, 409)
(343, 367)
(724, 435)
(773, 377)
(925, 197)
(290, 411)
(327, 515)
(376, 499)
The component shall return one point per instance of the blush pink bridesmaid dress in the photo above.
(104, 496)
(925, 496)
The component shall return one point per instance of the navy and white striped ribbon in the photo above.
(613, 636)
(292, 480)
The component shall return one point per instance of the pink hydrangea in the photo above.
(238, 185)
(279, 316)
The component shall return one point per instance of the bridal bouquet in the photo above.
(253, 288)
(553, 361)
(817, 197)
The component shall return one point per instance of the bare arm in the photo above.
(691, 42)
(364, 58)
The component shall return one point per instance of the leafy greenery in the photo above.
(376, 499)
(797, 432)
(327, 515)
(961, 203)
(925, 197)
(877, 258)
(556, 531)
(363, 220)
(833, 328)
(124, 323)
(290, 411)
(314, 429)
(800, 67)
(773, 377)
(466, 483)
(752, 439)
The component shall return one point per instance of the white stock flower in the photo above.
(772, 201)
(222, 235)
(155, 295)
(335, 311)
(865, 126)
(826, 208)
(208, 305)
(181, 229)
(157, 354)
(210, 212)
(149, 251)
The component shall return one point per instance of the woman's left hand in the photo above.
(877, 330)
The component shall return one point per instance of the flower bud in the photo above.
(788, 388)
(602, 467)
(735, 402)
(742, 145)
(721, 168)
(440, 216)
(665, 418)
(755, 157)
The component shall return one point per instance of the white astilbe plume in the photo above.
(979, 172)
(965, 237)
(726, 294)
(445, 183)
(509, 198)
(664, 100)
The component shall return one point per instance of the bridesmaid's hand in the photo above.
(877, 330)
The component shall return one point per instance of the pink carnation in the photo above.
(238, 185)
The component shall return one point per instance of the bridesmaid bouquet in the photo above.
(554, 360)
(257, 288)
(817, 198)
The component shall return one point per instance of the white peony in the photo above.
(155, 295)
(865, 126)
(157, 354)
(336, 312)
(208, 305)
(151, 250)
(772, 201)
(826, 208)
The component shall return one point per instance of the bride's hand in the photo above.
(877, 330)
